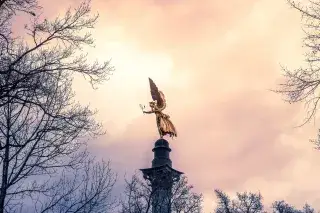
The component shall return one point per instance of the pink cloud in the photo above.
(232, 129)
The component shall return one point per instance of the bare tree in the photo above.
(11, 7)
(316, 141)
(43, 131)
(244, 203)
(55, 49)
(140, 197)
(284, 207)
(302, 84)
(252, 203)
(8, 9)
(85, 190)
(308, 209)
(224, 204)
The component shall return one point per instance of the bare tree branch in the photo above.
(13, 6)
(302, 84)
(55, 52)
(43, 131)
(86, 190)
(244, 203)
(252, 203)
(139, 197)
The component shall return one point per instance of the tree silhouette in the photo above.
(43, 131)
(284, 207)
(140, 197)
(302, 84)
(244, 202)
(248, 202)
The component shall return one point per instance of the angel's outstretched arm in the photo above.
(148, 112)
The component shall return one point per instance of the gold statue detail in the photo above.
(165, 126)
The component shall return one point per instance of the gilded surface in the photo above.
(165, 126)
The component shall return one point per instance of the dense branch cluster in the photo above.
(302, 84)
(43, 131)
(249, 202)
(142, 196)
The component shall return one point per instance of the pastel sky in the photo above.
(215, 61)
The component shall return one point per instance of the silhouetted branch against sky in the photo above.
(42, 128)
(249, 202)
(244, 202)
(302, 84)
(86, 190)
(8, 10)
(11, 7)
(139, 197)
(56, 50)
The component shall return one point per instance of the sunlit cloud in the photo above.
(215, 61)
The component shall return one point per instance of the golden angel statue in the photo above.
(165, 126)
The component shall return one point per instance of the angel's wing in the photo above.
(157, 95)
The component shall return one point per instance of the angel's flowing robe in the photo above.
(165, 126)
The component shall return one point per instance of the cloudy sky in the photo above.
(215, 61)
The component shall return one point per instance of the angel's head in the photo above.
(152, 104)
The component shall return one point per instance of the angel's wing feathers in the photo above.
(154, 90)
(163, 98)
(156, 94)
